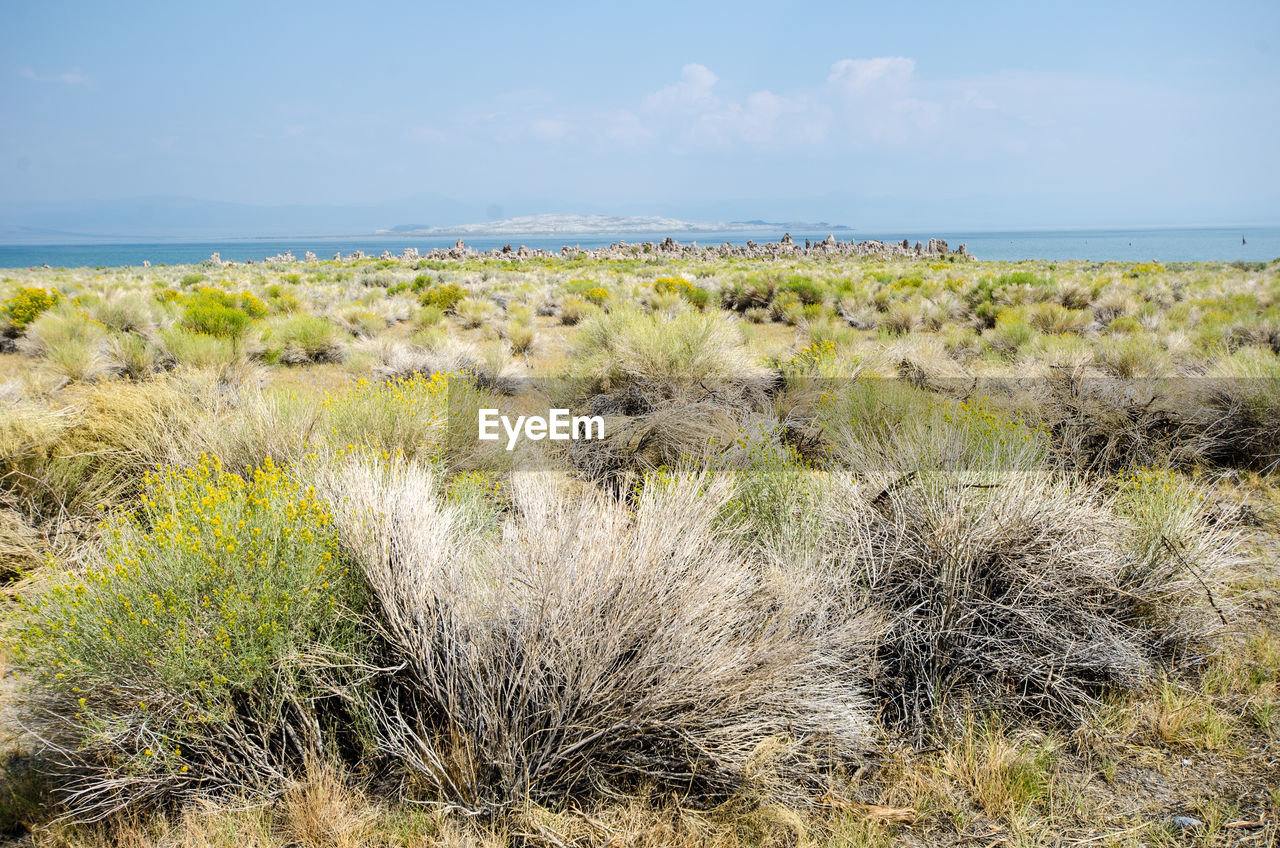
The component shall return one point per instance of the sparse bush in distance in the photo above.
(444, 296)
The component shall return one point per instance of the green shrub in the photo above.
(24, 306)
(748, 293)
(173, 665)
(428, 316)
(132, 355)
(252, 305)
(1055, 319)
(361, 322)
(597, 295)
(408, 415)
(200, 350)
(665, 357)
(804, 288)
(520, 336)
(574, 310)
(280, 300)
(1124, 324)
(444, 297)
(1012, 332)
(303, 338)
(214, 315)
(70, 343)
(473, 312)
(694, 295)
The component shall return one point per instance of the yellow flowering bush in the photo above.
(408, 414)
(177, 660)
(24, 306)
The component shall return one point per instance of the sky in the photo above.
(983, 114)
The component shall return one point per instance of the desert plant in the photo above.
(805, 289)
(748, 292)
(124, 311)
(201, 350)
(213, 317)
(687, 291)
(173, 668)
(299, 339)
(1235, 408)
(71, 345)
(574, 310)
(473, 312)
(1019, 591)
(360, 321)
(520, 336)
(1055, 319)
(23, 306)
(132, 355)
(573, 652)
(443, 297)
(407, 415)
(21, 545)
(662, 358)
(1012, 332)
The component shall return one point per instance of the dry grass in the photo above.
(588, 648)
(965, 451)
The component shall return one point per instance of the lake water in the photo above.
(1216, 244)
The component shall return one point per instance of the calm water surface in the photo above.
(1210, 244)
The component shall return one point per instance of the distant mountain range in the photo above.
(567, 225)
(156, 219)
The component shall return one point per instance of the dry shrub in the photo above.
(1100, 423)
(662, 437)
(1003, 583)
(97, 448)
(1227, 415)
(1237, 411)
(689, 356)
(488, 368)
(21, 546)
(262, 424)
(586, 647)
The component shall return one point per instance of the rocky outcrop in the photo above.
(786, 247)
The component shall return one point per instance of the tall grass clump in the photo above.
(1007, 585)
(474, 312)
(1237, 410)
(299, 339)
(587, 647)
(193, 658)
(407, 415)
(202, 350)
(70, 344)
(662, 358)
(95, 450)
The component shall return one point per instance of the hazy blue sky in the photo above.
(947, 114)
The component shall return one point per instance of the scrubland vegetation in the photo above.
(912, 552)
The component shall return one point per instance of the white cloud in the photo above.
(72, 77)
(863, 104)
(887, 74)
(693, 90)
